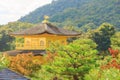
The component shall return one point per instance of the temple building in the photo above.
(39, 38)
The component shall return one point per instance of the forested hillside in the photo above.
(78, 13)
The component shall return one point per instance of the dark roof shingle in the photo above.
(7, 74)
(45, 28)
(15, 52)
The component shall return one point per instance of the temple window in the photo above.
(49, 42)
(42, 43)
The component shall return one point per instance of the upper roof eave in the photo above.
(45, 28)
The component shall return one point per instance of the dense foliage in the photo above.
(109, 68)
(5, 39)
(28, 64)
(115, 41)
(108, 74)
(102, 36)
(4, 62)
(25, 64)
(78, 12)
(72, 61)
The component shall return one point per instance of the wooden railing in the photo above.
(23, 46)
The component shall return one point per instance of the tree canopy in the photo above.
(74, 60)
(102, 36)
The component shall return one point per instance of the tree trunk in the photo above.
(75, 77)
(55, 78)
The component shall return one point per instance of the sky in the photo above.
(12, 10)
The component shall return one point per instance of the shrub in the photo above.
(4, 62)
(113, 61)
(25, 63)
(107, 74)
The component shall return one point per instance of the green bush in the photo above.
(107, 74)
(3, 61)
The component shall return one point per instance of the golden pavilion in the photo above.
(38, 38)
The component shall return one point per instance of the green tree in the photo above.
(5, 39)
(102, 36)
(115, 41)
(72, 61)
(88, 27)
